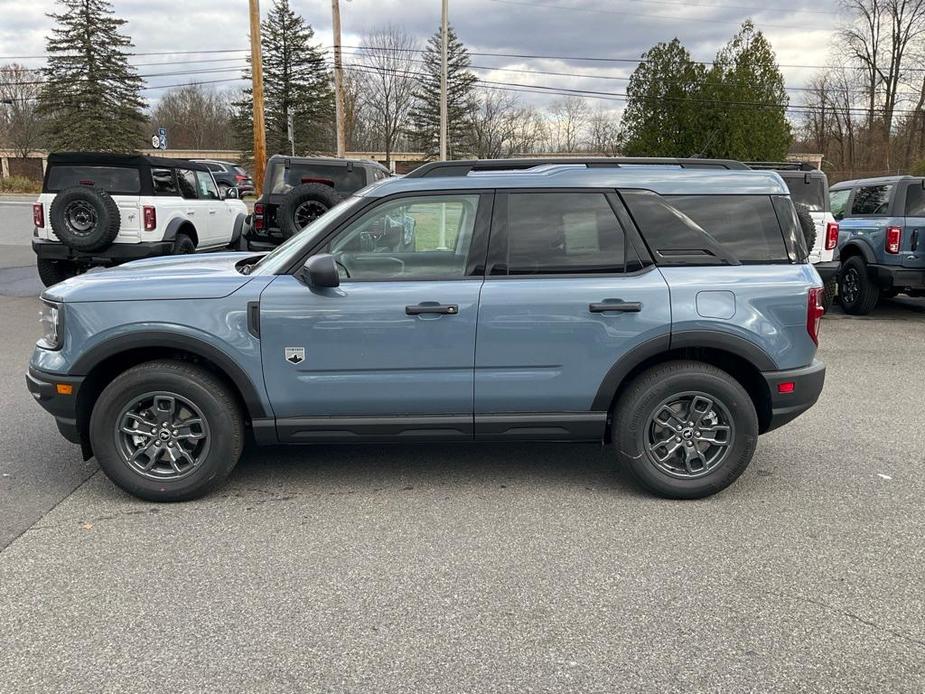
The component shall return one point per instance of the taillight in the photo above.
(894, 237)
(38, 215)
(239, 177)
(258, 215)
(831, 236)
(814, 312)
(150, 217)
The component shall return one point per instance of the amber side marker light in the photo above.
(64, 388)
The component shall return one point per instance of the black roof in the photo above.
(127, 160)
(329, 161)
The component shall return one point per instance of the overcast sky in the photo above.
(799, 30)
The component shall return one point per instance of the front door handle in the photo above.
(422, 309)
(616, 305)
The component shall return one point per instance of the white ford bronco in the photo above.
(106, 209)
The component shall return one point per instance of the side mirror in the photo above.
(320, 271)
(233, 193)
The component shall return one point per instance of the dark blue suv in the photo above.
(664, 307)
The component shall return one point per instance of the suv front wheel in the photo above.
(685, 429)
(167, 431)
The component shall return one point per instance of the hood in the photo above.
(195, 276)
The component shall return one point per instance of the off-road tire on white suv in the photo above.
(807, 224)
(54, 271)
(714, 400)
(162, 401)
(85, 218)
(183, 245)
(302, 205)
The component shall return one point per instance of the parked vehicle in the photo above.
(881, 240)
(105, 209)
(621, 301)
(809, 190)
(229, 175)
(298, 190)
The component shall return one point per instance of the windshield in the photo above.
(282, 255)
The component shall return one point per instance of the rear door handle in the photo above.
(616, 305)
(421, 309)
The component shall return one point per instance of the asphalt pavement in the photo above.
(477, 569)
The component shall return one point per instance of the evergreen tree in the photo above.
(662, 117)
(744, 101)
(460, 84)
(90, 93)
(296, 81)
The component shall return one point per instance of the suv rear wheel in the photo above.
(167, 431)
(858, 294)
(685, 429)
(183, 244)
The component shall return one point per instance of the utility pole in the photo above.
(260, 133)
(338, 81)
(443, 105)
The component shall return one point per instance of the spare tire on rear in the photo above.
(85, 218)
(807, 225)
(303, 205)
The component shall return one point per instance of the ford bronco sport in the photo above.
(662, 306)
(882, 239)
(106, 209)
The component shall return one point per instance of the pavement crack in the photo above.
(850, 615)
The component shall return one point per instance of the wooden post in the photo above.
(338, 82)
(260, 133)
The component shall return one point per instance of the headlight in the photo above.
(50, 317)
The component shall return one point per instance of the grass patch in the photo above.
(19, 184)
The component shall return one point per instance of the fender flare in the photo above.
(864, 249)
(173, 226)
(724, 341)
(165, 339)
(238, 229)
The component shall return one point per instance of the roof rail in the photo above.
(464, 167)
(782, 165)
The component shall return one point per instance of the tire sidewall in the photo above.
(225, 430)
(631, 429)
(107, 218)
(867, 295)
(183, 245)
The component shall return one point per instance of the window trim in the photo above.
(498, 242)
(478, 248)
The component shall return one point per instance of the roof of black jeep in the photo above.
(127, 160)
(330, 161)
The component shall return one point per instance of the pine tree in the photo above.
(91, 92)
(425, 115)
(662, 115)
(745, 101)
(296, 81)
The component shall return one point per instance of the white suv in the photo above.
(107, 209)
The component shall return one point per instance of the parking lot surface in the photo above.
(477, 569)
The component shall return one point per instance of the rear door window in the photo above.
(205, 186)
(164, 182)
(186, 180)
(872, 200)
(117, 180)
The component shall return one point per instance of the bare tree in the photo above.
(493, 123)
(388, 60)
(604, 132)
(20, 126)
(196, 117)
(569, 119)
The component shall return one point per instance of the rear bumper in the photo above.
(116, 253)
(888, 276)
(827, 270)
(807, 385)
(44, 388)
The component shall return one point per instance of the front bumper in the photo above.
(44, 388)
(807, 385)
(111, 255)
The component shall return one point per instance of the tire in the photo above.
(305, 202)
(858, 294)
(829, 290)
(647, 397)
(54, 271)
(807, 225)
(197, 394)
(85, 218)
(183, 244)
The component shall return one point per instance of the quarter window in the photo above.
(872, 200)
(560, 233)
(838, 200)
(426, 237)
(164, 182)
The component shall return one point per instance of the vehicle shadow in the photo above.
(899, 308)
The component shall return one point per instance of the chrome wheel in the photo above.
(688, 435)
(308, 212)
(850, 287)
(162, 436)
(80, 217)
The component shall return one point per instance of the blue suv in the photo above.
(662, 306)
(881, 239)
